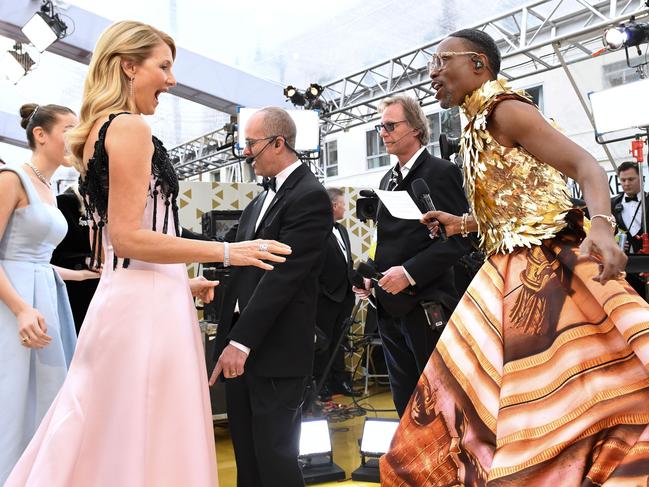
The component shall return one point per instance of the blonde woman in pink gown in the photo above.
(134, 409)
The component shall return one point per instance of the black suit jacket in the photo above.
(335, 278)
(407, 242)
(73, 250)
(278, 307)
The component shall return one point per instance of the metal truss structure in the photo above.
(206, 153)
(526, 38)
(533, 39)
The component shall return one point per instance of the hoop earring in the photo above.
(130, 86)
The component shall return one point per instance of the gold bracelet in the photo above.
(463, 225)
(608, 218)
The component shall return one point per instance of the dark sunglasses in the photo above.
(388, 126)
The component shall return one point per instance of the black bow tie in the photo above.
(269, 184)
(631, 198)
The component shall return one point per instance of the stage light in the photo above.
(316, 455)
(15, 63)
(377, 436)
(631, 34)
(45, 27)
(614, 38)
(293, 94)
(622, 107)
(313, 91)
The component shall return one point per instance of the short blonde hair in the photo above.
(106, 89)
(413, 113)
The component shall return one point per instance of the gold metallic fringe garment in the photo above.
(541, 378)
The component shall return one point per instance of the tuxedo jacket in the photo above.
(407, 242)
(278, 307)
(335, 278)
(73, 250)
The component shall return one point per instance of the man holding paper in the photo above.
(406, 256)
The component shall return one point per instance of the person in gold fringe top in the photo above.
(541, 376)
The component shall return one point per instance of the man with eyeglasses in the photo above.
(417, 272)
(266, 352)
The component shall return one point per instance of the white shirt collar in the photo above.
(408, 165)
(283, 175)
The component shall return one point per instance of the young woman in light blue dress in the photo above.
(37, 335)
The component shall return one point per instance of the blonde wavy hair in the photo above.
(106, 89)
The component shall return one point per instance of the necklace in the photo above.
(39, 174)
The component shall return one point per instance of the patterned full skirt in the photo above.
(541, 378)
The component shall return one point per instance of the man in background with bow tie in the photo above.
(417, 271)
(266, 349)
(335, 302)
(627, 210)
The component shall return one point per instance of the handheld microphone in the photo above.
(357, 281)
(422, 193)
(368, 271)
(367, 193)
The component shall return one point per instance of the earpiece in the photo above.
(276, 143)
(478, 64)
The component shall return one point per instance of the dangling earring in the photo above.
(130, 86)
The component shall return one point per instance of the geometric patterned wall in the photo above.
(198, 197)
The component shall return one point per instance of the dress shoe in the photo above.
(345, 388)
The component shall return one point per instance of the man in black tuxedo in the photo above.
(335, 301)
(627, 210)
(266, 353)
(415, 269)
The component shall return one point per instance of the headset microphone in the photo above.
(403, 136)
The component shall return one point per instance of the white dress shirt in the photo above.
(341, 242)
(632, 215)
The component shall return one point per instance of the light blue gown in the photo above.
(31, 378)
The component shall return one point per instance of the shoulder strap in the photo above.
(29, 188)
(102, 131)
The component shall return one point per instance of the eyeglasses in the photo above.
(251, 142)
(439, 59)
(388, 126)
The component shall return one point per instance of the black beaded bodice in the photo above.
(93, 187)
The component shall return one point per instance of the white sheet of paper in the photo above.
(399, 204)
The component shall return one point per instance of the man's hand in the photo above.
(366, 291)
(203, 289)
(394, 280)
(231, 363)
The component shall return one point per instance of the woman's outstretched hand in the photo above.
(600, 244)
(256, 252)
(451, 223)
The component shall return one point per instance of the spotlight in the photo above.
(377, 436)
(45, 27)
(15, 63)
(316, 456)
(290, 91)
(297, 98)
(313, 91)
(632, 34)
